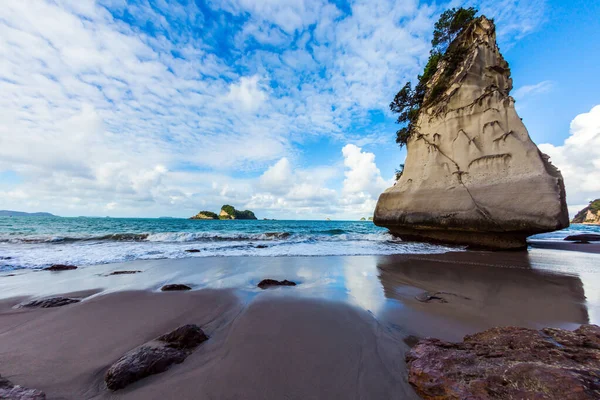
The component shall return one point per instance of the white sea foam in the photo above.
(174, 245)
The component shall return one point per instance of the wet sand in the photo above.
(342, 332)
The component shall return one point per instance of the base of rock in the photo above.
(480, 240)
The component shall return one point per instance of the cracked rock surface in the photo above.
(472, 174)
(509, 363)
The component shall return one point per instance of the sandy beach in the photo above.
(342, 332)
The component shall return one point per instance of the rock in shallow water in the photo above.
(123, 272)
(267, 283)
(472, 174)
(10, 391)
(175, 287)
(586, 237)
(509, 363)
(51, 302)
(154, 357)
(60, 267)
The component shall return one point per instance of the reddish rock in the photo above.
(509, 363)
(267, 283)
(60, 267)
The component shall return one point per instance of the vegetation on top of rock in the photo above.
(590, 214)
(446, 53)
(205, 215)
(229, 212)
(399, 172)
(228, 209)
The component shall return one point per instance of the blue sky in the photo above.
(167, 107)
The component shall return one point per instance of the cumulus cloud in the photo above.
(247, 93)
(578, 158)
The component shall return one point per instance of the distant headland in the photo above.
(227, 212)
(589, 215)
(9, 213)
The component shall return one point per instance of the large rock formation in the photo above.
(472, 174)
(589, 215)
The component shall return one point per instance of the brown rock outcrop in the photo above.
(472, 174)
(509, 363)
(154, 357)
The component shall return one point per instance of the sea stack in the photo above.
(472, 175)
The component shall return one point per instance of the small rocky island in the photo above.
(589, 215)
(227, 212)
(472, 175)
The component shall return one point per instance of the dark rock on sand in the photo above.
(9, 390)
(261, 246)
(193, 251)
(509, 363)
(60, 267)
(438, 297)
(267, 283)
(5, 258)
(123, 272)
(154, 357)
(184, 337)
(175, 286)
(586, 237)
(51, 302)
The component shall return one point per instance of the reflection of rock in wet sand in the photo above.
(478, 291)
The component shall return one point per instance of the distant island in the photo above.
(9, 213)
(227, 212)
(589, 215)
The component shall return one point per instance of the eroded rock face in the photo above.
(9, 390)
(472, 174)
(154, 357)
(509, 363)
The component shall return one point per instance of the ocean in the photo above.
(36, 242)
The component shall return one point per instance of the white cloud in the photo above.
(362, 175)
(578, 158)
(247, 93)
(531, 90)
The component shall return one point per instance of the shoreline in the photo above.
(342, 332)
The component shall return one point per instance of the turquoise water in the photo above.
(36, 242)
